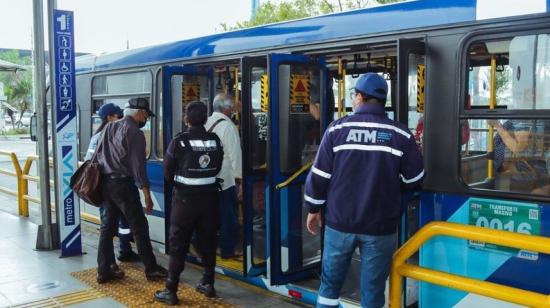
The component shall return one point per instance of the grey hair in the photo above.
(130, 112)
(222, 102)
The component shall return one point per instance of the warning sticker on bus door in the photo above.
(508, 216)
(191, 92)
(299, 93)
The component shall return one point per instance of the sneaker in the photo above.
(157, 274)
(128, 257)
(206, 288)
(166, 296)
(109, 276)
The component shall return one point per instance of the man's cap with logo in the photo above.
(196, 111)
(109, 109)
(373, 85)
(139, 103)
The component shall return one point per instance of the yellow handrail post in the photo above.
(25, 181)
(17, 174)
(492, 105)
(23, 211)
(341, 94)
(400, 269)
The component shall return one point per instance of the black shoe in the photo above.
(128, 257)
(157, 274)
(109, 276)
(206, 288)
(115, 268)
(166, 296)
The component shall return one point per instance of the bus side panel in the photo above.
(495, 264)
(155, 171)
(84, 114)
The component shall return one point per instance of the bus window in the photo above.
(300, 131)
(510, 77)
(118, 89)
(258, 141)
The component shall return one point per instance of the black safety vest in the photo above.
(199, 157)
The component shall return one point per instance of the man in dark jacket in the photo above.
(362, 164)
(121, 155)
(192, 162)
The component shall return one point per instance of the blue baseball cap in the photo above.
(373, 85)
(109, 109)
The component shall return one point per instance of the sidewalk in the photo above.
(28, 275)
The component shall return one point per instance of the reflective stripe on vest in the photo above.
(194, 181)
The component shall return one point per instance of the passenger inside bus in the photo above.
(515, 155)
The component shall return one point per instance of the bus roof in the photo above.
(386, 18)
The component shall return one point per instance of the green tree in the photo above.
(18, 85)
(271, 12)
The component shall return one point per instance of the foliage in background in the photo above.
(277, 11)
(17, 86)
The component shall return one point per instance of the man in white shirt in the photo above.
(220, 123)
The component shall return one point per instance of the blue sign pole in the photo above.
(68, 216)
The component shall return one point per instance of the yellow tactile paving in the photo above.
(64, 300)
(135, 291)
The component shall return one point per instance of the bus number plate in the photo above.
(508, 216)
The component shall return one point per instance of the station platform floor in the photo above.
(30, 278)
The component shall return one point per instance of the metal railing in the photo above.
(16, 172)
(23, 177)
(401, 269)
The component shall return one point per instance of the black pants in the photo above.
(193, 212)
(122, 198)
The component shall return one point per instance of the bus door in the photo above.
(298, 114)
(180, 86)
(410, 103)
(409, 107)
(254, 125)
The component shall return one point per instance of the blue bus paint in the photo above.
(394, 17)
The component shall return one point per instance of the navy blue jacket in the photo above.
(363, 163)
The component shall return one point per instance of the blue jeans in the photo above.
(376, 255)
(229, 222)
(124, 234)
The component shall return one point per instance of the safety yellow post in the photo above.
(341, 93)
(25, 182)
(492, 104)
(343, 90)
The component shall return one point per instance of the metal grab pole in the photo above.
(45, 238)
(52, 5)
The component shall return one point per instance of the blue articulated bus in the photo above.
(471, 79)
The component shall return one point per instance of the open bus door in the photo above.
(409, 107)
(254, 141)
(180, 86)
(294, 133)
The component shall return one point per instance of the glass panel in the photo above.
(120, 101)
(186, 89)
(160, 119)
(258, 223)
(139, 82)
(521, 155)
(299, 125)
(522, 73)
(258, 138)
(311, 244)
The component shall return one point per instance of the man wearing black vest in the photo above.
(192, 162)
